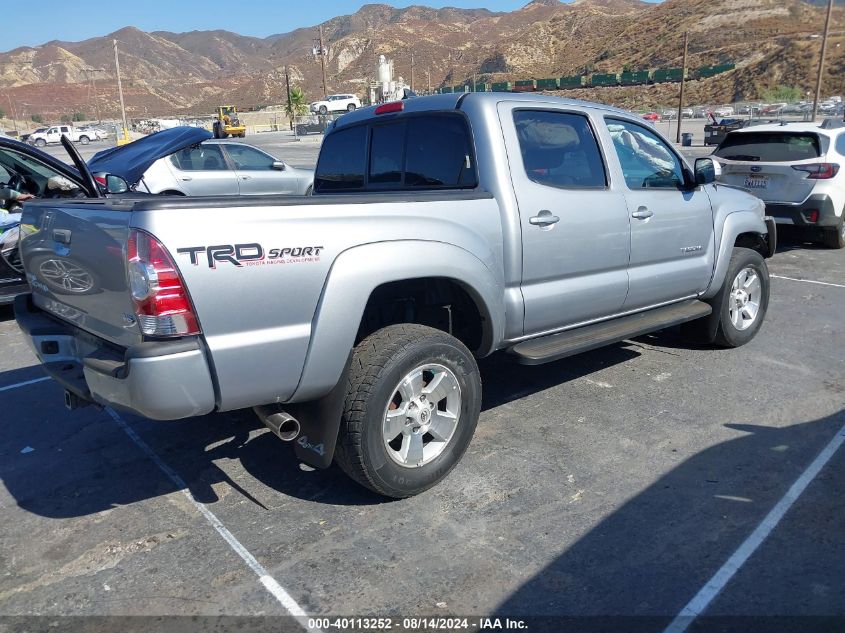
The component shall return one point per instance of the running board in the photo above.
(556, 346)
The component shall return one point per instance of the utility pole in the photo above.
(821, 60)
(683, 84)
(290, 107)
(93, 77)
(14, 114)
(412, 70)
(120, 91)
(428, 77)
(323, 63)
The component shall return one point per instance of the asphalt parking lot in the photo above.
(607, 489)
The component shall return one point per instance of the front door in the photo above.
(260, 173)
(575, 227)
(672, 238)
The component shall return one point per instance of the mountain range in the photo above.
(772, 42)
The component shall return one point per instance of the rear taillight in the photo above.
(818, 171)
(161, 302)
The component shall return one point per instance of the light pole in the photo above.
(683, 82)
(821, 59)
(92, 76)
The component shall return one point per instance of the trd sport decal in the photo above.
(250, 254)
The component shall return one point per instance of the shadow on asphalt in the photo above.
(650, 549)
(6, 313)
(85, 463)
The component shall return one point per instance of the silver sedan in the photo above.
(225, 168)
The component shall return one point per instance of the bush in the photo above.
(79, 116)
(2, 113)
(65, 118)
(37, 118)
(781, 93)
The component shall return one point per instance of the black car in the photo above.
(715, 133)
(29, 170)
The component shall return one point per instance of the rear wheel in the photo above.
(324, 110)
(84, 140)
(745, 298)
(350, 107)
(40, 142)
(834, 237)
(412, 405)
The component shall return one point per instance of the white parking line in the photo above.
(720, 579)
(270, 583)
(24, 383)
(808, 281)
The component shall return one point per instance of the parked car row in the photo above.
(181, 161)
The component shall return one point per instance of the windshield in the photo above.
(770, 147)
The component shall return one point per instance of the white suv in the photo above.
(336, 103)
(796, 169)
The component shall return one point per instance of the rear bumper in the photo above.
(159, 380)
(799, 214)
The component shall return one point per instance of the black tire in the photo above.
(350, 107)
(84, 140)
(379, 363)
(215, 130)
(727, 334)
(40, 142)
(834, 237)
(324, 110)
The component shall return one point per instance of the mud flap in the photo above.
(319, 423)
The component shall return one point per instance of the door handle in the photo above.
(245, 177)
(642, 214)
(62, 236)
(186, 178)
(544, 219)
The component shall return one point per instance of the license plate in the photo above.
(756, 182)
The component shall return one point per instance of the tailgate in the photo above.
(74, 257)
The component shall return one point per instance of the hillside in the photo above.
(770, 41)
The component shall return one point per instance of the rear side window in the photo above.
(439, 153)
(414, 152)
(342, 161)
(840, 144)
(559, 150)
(769, 147)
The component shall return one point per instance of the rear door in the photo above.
(575, 227)
(257, 172)
(762, 162)
(202, 170)
(672, 238)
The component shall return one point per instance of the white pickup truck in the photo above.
(53, 135)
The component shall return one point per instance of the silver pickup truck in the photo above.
(441, 230)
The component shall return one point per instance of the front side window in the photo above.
(647, 161)
(200, 158)
(248, 158)
(559, 149)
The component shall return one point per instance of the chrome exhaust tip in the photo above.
(283, 425)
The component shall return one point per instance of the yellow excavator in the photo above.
(228, 123)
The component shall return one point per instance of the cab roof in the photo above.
(453, 101)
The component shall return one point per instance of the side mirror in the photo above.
(277, 164)
(707, 170)
(111, 184)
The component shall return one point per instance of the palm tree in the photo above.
(296, 105)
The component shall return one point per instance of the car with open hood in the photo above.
(186, 161)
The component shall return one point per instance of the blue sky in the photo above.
(82, 19)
